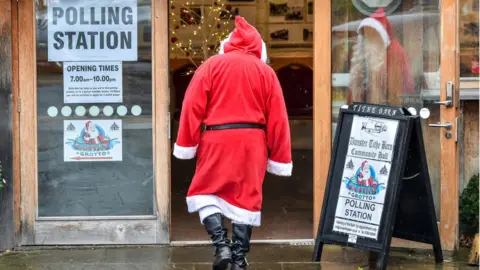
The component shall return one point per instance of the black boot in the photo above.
(218, 233)
(240, 245)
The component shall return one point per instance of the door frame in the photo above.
(322, 100)
(153, 229)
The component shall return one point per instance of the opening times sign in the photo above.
(102, 30)
(365, 177)
(92, 82)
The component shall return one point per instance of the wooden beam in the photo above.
(322, 103)
(27, 83)
(449, 177)
(161, 101)
(16, 125)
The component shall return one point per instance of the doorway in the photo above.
(287, 210)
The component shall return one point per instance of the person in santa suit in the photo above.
(93, 136)
(365, 176)
(380, 70)
(234, 120)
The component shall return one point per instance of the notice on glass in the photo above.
(92, 82)
(361, 197)
(102, 30)
(92, 140)
(372, 138)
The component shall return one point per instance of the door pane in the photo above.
(388, 52)
(94, 106)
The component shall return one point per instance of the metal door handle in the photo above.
(446, 125)
(447, 103)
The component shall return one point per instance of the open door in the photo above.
(402, 53)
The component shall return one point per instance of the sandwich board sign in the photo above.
(378, 184)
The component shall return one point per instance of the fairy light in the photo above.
(209, 28)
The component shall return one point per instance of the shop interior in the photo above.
(287, 30)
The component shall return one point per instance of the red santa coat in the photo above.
(235, 86)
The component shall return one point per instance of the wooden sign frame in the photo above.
(407, 183)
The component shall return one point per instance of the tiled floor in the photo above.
(287, 204)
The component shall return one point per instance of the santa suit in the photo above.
(235, 86)
(399, 75)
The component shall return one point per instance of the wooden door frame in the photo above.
(449, 179)
(25, 95)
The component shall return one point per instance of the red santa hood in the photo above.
(380, 23)
(396, 54)
(244, 38)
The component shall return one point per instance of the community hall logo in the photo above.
(364, 181)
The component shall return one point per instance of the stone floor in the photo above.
(262, 257)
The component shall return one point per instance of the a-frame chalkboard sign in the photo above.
(378, 183)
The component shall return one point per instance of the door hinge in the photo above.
(18, 105)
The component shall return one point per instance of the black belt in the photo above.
(234, 126)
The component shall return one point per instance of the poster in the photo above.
(286, 10)
(92, 140)
(372, 138)
(361, 197)
(92, 82)
(101, 30)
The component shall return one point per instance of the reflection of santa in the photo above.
(92, 135)
(380, 70)
(365, 177)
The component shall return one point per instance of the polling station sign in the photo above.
(101, 30)
(378, 171)
(361, 198)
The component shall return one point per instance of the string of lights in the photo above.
(196, 30)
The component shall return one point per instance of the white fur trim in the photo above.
(280, 169)
(375, 24)
(263, 57)
(181, 152)
(234, 213)
(207, 211)
(222, 44)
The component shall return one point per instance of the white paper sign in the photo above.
(372, 138)
(361, 196)
(92, 82)
(101, 30)
(92, 140)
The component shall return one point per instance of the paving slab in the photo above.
(262, 257)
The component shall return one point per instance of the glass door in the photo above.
(392, 52)
(95, 131)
